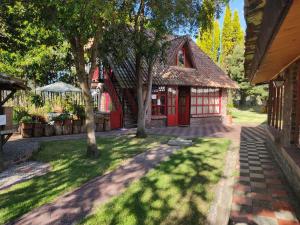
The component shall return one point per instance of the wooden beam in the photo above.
(10, 95)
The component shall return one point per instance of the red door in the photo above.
(172, 106)
(116, 119)
(184, 106)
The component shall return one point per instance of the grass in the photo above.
(178, 191)
(248, 116)
(70, 169)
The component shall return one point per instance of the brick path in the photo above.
(74, 206)
(261, 193)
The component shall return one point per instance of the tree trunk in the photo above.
(83, 77)
(141, 129)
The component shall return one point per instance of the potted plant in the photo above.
(99, 121)
(38, 125)
(26, 126)
(58, 123)
(67, 123)
(49, 129)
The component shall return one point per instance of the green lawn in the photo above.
(178, 191)
(248, 116)
(70, 169)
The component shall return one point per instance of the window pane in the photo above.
(173, 101)
(194, 102)
(193, 110)
(211, 109)
(205, 100)
(211, 100)
(217, 100)
(199, 99)
(205, 109)
(217, 109)
(199, 109)
(162, 110)
(173, 110)
(162, 100)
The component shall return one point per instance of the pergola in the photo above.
(10, 85)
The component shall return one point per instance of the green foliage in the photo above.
(209, 41)
(36, 100)
(237, 31)
(227, 43)
(62, 117)
(79, 111)
(26, 119)
(19, 113)
(28, 49)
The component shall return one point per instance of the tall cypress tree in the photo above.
(209, 41)
(237, 31)
(227, 44)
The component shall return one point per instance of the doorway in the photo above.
(184, 106)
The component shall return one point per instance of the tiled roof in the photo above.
(204, 72)
(8, 82)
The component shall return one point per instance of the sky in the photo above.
(238, 5)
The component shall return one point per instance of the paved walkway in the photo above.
(76, 205)
(261, 193)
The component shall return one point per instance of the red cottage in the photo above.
(188, 89)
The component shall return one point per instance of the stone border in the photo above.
(219, 211)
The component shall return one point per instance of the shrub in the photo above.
(19, 113)
(79, 111)
(36, 100)
(26, 119)
(62, 117)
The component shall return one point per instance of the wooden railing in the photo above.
(131, 101)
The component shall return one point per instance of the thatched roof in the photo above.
(204, 71)
(8, 82)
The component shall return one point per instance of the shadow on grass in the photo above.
(70, 169)
(178, 191)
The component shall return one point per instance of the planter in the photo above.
(107, 124)
(229, 119)
(38, 130)
(76, 126)
(49, 130)
(99, 125)
(26, 130)
(67, 122)
(58, 127)
(67, 129)
(83, 127)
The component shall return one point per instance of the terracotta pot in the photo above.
(26, 130)
(48, 130)
(58, 129)
(229, 119)
(38, 130)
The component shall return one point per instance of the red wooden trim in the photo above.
(209, 105)
(156, 107)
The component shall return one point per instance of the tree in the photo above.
(28, 50)
(82, 24)
(226, 44)
(237, 31)
(209, 41)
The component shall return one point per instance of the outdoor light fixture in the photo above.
(279, 82)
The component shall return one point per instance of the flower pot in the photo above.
(99, 124)
(76, 126)
(57, 129)
(26, 130)
(229, 119)
(67, 122)
(67, 129)
(107, 124)
(38, 130)
(48, 130)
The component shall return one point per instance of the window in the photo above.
(171, 101)
(275, 115)
(205, 101)
(158, 100)
(181, 58)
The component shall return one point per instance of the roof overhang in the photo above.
(282, 41)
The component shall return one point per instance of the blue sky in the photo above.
(238, 5)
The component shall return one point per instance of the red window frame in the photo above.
(184, 59)
(160, 91)
(199, 103)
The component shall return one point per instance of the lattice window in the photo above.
(159, 100)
